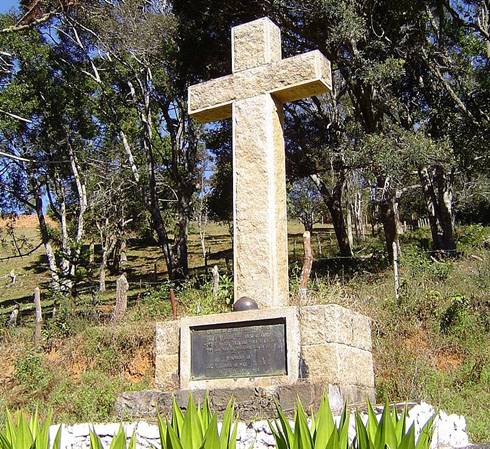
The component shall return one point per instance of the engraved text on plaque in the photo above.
(239, 349)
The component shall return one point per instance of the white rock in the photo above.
(149, 431)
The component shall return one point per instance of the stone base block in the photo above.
(327, 344)
(251, 403)
(328, 349)
(167, 355)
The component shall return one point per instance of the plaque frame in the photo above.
(286, 314)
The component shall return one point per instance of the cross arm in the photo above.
(290, 79)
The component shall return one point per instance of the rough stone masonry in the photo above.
(335, 348)
(253, 96)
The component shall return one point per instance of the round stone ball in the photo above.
(244, 303)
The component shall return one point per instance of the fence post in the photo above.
(122, 288)
(396, 271)
(173, 303)
(307, 264)
(39, 316)
(12, 321)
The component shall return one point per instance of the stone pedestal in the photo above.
(328, 346)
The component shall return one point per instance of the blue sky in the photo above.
(6, 5)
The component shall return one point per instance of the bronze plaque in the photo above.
(243, 349)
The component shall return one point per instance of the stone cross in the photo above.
(253, 96)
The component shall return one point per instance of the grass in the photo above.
(433, 344)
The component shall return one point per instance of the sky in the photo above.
(6, 5)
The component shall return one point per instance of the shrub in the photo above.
(454, 313)
(31, 372)
(201, 301)
(415, 259)
(93, 397)
(154, 304)
(472, 236)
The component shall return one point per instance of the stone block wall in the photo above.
(167, 343)
(336, 349)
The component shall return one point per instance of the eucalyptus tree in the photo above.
(114, 211)
(420, 68)
(454, 81)
(305, 203)
(45, 132)
(319, 148)
(129, 50)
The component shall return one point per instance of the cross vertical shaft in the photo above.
(259, 204)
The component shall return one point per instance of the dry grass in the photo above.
(146, 267)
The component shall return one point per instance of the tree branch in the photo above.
(17, 117)
(22, 255)
(17, 27)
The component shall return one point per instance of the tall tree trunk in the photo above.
(350, 235)
(389, 219)
(430, 203)
(82, 207)
(163, 240)
(39, 316)
(445, 209)
(157, 218)
(358, 218)
(333, 201)
(437, 188)
(340, 229)
(43, 227)
(156, 215)
(108, 244)
(307, 265)
(65, 250)
(184, 154)
(116, 258)
(389, 212)
(102, 273)
(153, 203)
(179, 248)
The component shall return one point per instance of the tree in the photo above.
(305, 203)
(42, 148)
(128, 49)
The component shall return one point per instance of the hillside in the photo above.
(433, 344)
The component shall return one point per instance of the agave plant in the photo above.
(119, 441)
(390, 431)
(22, 432)
(323, 433)
(197, 428)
